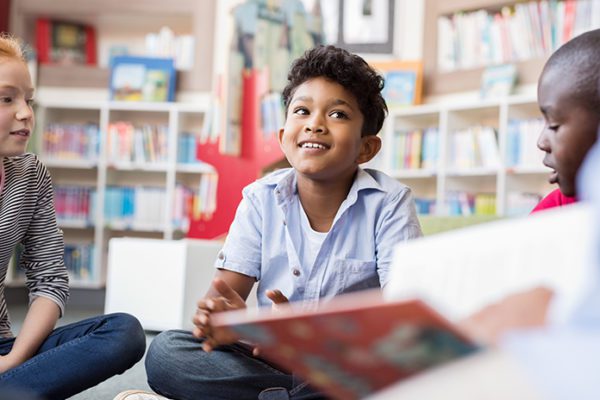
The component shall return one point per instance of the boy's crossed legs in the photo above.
(178, 368)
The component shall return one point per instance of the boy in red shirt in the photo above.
(569, 100)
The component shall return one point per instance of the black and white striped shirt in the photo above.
(27, 216)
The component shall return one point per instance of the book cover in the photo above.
(142, 79)
(354, 345)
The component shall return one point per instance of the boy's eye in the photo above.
(339, 115)
(30, 102)
(6, 99)
(300, 111)
(553, 127)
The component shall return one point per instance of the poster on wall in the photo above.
(363, 26)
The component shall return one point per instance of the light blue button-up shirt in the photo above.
(265, 237)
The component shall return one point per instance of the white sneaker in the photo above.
(138, 395)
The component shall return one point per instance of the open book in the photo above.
(353, 345)
(359, 343)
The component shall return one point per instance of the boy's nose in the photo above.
(543, 143)
(314, 128)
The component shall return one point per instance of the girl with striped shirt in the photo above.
(43, 361)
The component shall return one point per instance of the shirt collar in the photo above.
(285, 184)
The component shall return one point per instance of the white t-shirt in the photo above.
(312, 240)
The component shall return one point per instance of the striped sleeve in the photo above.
(43, 247)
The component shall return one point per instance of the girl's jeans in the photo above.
(77, 356)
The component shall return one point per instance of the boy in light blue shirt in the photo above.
(319, 229)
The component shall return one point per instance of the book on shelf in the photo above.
(353, 345)
(71, 141)
(75, 205)
(473, 147)
(65, 42)
(415, 149)
(498, 81)
(521, 143)
(79, 260)
(517, 32)
(142, 79)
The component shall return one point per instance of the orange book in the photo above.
(353, 345)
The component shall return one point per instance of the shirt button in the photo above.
(284, 223)
(296, 272)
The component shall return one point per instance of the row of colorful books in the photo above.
(473, 147)
(272, 113)
(79, 260)
(71, 141)
(461, 203)
(75, 204)
(140, 144)
(187, 145)
(195, 204)
(464, 203)
(521, 143)
(519, 32)
(415, 149)
(425, 206)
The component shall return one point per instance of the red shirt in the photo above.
(554, 199)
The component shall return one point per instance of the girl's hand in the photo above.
(7, 362)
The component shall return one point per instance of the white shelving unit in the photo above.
(449, 118)
(101, 173)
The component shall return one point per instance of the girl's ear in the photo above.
(370, 146)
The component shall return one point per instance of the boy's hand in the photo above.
(517, 311)
(276, 297)
(228, 300)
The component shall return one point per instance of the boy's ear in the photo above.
(370, 146)
(280, 136)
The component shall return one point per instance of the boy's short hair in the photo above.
(579, 59)
(10, 47)
(348, 70)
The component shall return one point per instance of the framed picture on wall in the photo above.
(142, 79)
(366, 26)
(403, 81)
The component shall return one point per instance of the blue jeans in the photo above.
(178, 368)
(77, 356)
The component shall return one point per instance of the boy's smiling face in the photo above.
(322, 137)
(569, 132)
(16, 113)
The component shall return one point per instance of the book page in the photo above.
(460, 272)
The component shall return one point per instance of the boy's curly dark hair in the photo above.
(348, 70)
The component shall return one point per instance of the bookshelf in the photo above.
(87, 188)
(506, 183)
(532, 29)
(117, 23)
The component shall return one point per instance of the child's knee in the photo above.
(130, 334)
(161, 352)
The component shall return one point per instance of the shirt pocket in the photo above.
(353, 275)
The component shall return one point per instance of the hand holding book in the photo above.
(228, 300)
